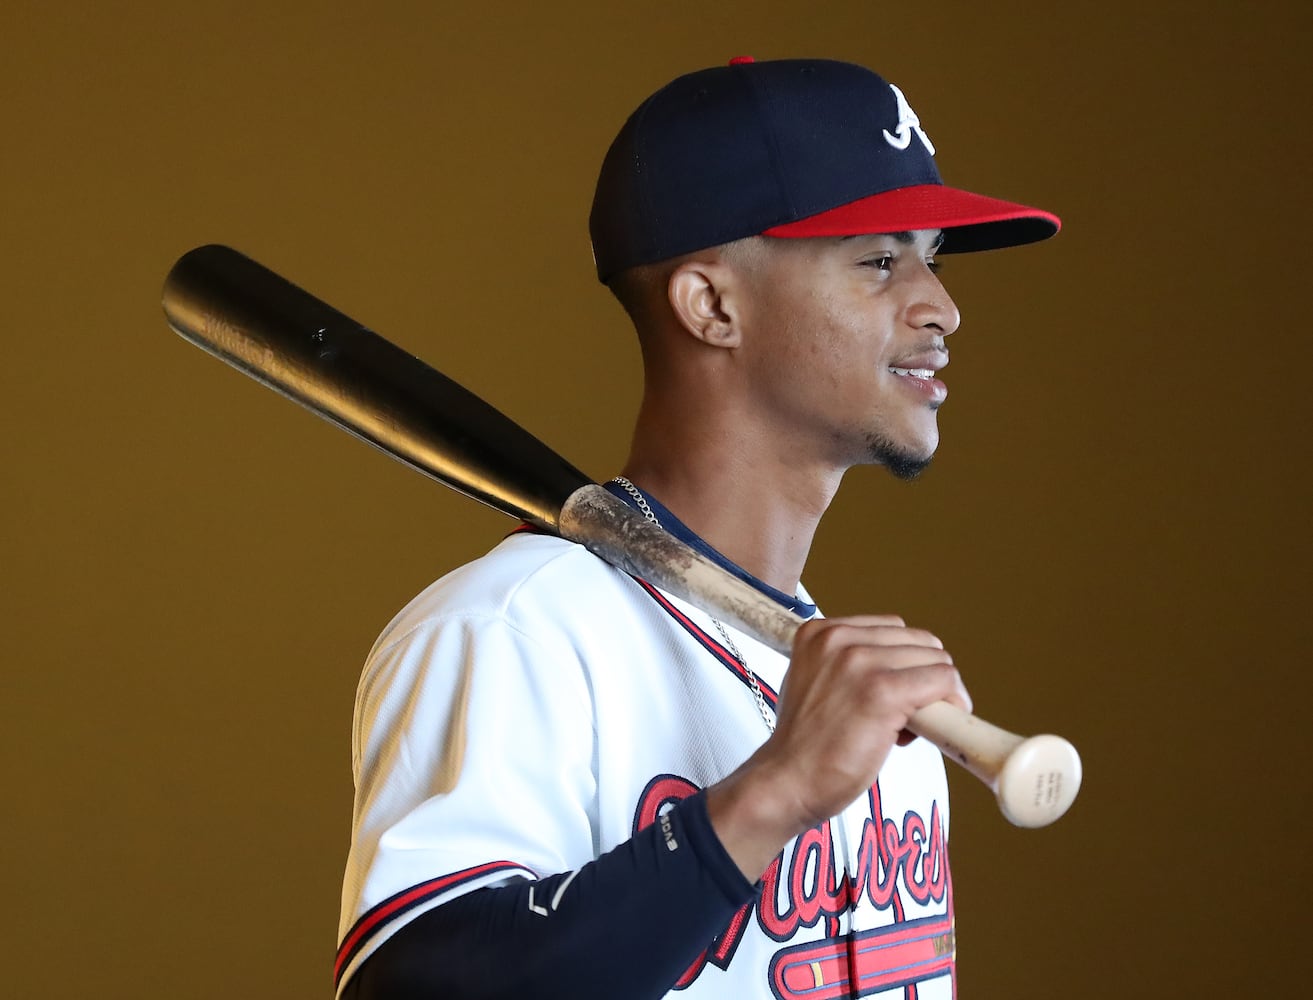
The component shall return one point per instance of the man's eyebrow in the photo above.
(909, 238)
(906, 237)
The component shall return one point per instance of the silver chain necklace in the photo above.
(766, 714)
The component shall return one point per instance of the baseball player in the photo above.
(646, 801)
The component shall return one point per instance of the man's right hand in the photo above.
(851, 686)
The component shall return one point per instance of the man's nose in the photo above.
(933, 307)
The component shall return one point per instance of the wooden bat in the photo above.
(244, 314)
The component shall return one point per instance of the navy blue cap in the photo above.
(788, 148)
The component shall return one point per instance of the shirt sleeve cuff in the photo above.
(715, 860)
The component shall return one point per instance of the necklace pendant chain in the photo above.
(766, 714)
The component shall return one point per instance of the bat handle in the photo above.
(1035, 779)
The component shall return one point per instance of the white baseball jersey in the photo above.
(594, 701)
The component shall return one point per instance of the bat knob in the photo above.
(1039, 781)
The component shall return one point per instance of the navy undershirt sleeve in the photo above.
(627, 925)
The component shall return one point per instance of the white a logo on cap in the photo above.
(908, 123)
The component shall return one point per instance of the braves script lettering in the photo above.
(809, 884)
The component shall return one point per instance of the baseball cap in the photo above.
(787, 148)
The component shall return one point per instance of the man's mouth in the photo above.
(923, 378)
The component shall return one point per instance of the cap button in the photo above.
(741, 60)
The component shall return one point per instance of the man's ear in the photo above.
(701, 296)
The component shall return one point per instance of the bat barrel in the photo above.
(260, 323)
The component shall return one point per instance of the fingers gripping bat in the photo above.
(256, 321)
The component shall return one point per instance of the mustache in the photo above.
(935, 346)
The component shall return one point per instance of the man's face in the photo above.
(845, 337)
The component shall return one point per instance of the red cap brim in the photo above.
(970, 221)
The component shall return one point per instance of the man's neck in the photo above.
(757, 510)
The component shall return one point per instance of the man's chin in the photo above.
(907, 468)
(902, 462)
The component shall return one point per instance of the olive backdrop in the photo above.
(1112, 540)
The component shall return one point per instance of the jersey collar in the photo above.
(681, 531)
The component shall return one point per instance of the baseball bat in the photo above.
(258, 322)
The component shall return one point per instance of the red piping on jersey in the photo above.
(727, 658)
(408, 899)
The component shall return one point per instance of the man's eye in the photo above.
(934, 265)
(885, 263)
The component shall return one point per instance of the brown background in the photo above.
(1112, 540)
